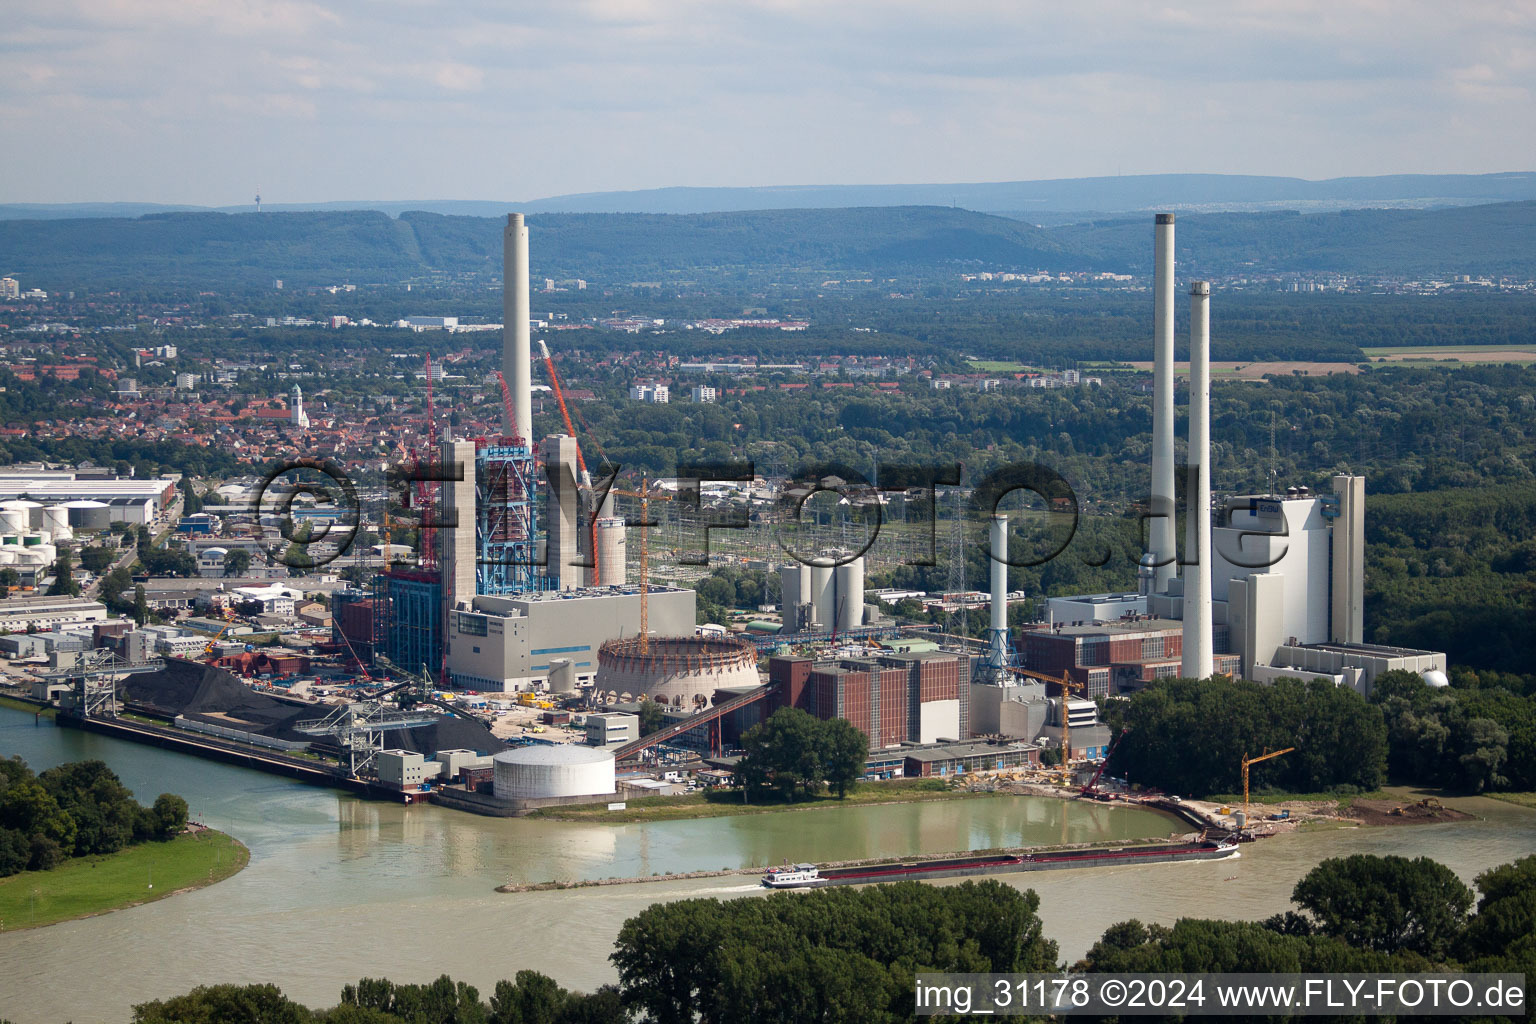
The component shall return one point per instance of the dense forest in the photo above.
(1187, 736)
(216, 250)
(853, 955)
(74, 810)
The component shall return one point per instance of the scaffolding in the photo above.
(505, 520)
(408, 616)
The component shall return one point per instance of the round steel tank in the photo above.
(31, 509)
(7, 556)
(545, 772)
(823, 595)
(679, 671)
(55, 519)
(612, 569)
(89, 515)
(850, 594)
(14, 520)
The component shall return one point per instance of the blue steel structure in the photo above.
(411, 623)
(506, 523)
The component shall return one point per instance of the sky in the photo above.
(205, 101)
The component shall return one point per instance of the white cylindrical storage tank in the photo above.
(551, 772)
(14, 520)
(89, 515)
(823, 595)
(31, 556)
(31, 509)
(33, 538)
(45, 551)
(55, 519)
(612, 569)
(7, 556)
(850, 594)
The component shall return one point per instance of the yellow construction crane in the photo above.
(1247, 761)
(644, 494)
(229, 620)
(1067, 687)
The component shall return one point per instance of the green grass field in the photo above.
(1411, 349)
(85, 886)
(998, 366)
(1523, 799)
(722, 804)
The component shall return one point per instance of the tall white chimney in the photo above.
(1161, 532)
(1198, 661)
(515, 355)
(997, 655)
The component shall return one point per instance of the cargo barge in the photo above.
(806, 876)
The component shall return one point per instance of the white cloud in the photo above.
(185, 100)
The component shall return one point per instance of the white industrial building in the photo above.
(57, 486)
(1287, 570)
(18, 614)
(550, 639)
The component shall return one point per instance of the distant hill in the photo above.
(215, 250)
(222, 251)
(1492, 239)
(1044, 201)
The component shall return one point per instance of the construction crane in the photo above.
(1248, 761)
(584, 478)
(645, 496)
(1067, 686)
(506, 399)
(229, 620)
(1092, 788)
(554, 383)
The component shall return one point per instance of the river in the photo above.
(340, 888)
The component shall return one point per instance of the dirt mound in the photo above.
(1389, 812)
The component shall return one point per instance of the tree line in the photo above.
(851, 955)
(74, 810)
(1187, 736)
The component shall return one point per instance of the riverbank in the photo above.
(720, 804)
(88, 886)
(29, 706)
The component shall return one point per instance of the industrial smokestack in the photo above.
(997, 653)
(515, 355)
(1199, 661)
(1161, 532)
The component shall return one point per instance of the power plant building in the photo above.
(891, 698)
(516, 642)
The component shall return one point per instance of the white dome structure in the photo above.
(1435, 678)
(550, 772)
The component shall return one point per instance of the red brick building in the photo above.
(891, 698)
(1116, 657)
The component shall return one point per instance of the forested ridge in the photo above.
(218, 250)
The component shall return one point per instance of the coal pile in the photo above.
(208, 694)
